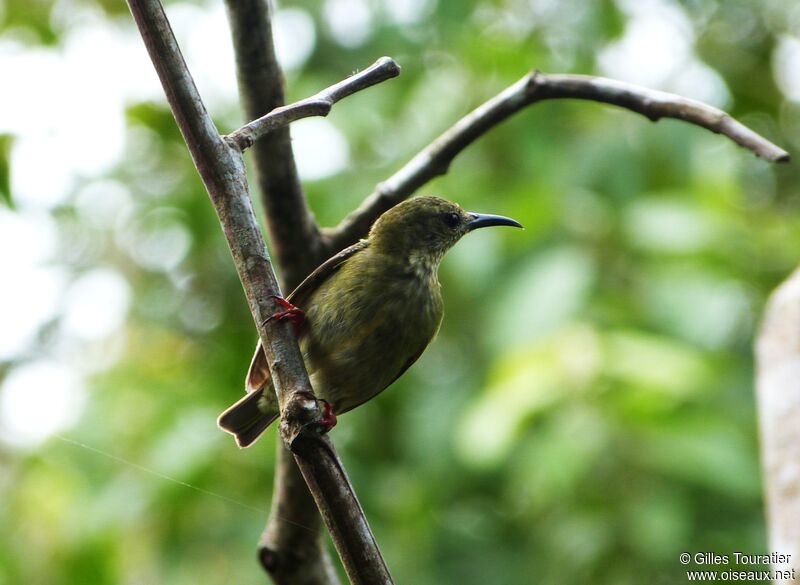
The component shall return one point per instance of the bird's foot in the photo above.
(328, 420)
(290, 312)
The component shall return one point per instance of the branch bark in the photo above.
(222, 170)
(435, 159)
(295, 237)
(292, 549)
(319, 104)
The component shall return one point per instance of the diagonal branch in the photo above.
(293, 548)
(316, 105)
(535, 87)
(223, 173)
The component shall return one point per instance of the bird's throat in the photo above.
(424, 266)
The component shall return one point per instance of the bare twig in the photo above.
(222, 170)
(656, 105)
(435, 159)
(316, 105)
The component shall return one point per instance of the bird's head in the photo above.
(427, 227)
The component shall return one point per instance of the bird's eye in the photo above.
(452, 219)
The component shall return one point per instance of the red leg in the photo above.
(290, 312)
(328, 420)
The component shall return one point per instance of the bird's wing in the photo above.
(322, 273)
(258, 374)
(408, 364)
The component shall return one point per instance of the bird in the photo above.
(365, 315)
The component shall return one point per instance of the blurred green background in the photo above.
(586, 413)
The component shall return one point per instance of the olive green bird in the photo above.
(367, 313)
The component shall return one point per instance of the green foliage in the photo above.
(5, 170)
(586, 413)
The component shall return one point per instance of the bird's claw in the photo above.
(328, 420)
(293, 314)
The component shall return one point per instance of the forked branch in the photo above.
(222, 170)
(297, 244)
(435, 159)
(316, 105)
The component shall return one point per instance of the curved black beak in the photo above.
(481, 220)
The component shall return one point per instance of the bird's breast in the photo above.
(364, 329)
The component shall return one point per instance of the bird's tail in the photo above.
(245, 420)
